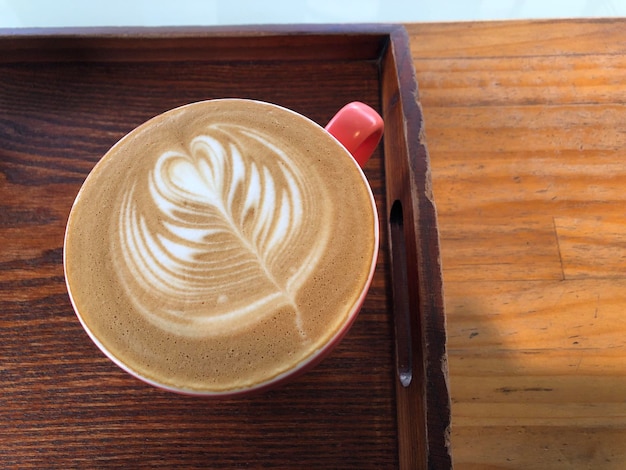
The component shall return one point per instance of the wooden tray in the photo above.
(65, 97)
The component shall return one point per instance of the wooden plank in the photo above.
(409, 366)
(421, 364)
(284, 43)
(527, 129)
(522, 80)
(592, 246)
(583, 317)
(537, 447)
(532, 38)
(481, 247)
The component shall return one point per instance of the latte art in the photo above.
(219, 220)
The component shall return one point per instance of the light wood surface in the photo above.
(526, 129)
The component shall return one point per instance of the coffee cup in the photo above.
(225, 246)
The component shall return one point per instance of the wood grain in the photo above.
(525, 129)
(422, 398)
(63, 404)
(65, 98)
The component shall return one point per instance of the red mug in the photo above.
(140, 294)
(359, 128)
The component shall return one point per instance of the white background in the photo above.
(56, 13)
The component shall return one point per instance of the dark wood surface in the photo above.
(64, 100)
(416, 279)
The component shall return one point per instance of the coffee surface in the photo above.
(219, 244)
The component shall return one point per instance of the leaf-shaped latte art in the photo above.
(219, 233)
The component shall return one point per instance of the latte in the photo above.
(220, 245)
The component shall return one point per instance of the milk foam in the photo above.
(207, 250)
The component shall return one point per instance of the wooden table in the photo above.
(526, 129)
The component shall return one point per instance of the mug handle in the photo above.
(358, 128)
